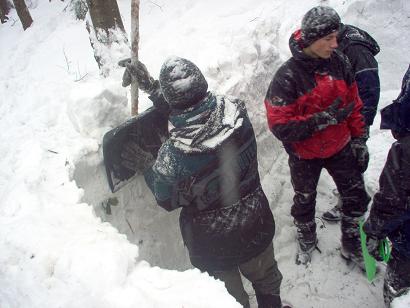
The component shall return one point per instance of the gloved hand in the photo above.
(134, 158)
(138, 71)
(333, 114)
(145, 82)
(373, 244)
(360, 153)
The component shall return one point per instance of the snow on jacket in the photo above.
(361, 48)
(209, 167)
(390, 211)
(303, 86)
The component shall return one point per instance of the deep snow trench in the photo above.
(133, 211)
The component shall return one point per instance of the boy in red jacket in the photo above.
(313, 107)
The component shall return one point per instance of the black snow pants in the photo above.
(342, 168)
(397, 278)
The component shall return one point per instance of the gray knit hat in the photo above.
(319, 22)
(182, 83)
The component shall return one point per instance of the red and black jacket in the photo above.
(303, 86)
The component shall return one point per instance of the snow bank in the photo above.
(402, 301)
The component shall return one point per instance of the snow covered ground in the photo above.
(61, 248)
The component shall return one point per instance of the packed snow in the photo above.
(64, 245)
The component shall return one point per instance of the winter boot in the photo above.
(268, 301)
(334, 213)
(397, 277)
(307, 241)
(351, 247)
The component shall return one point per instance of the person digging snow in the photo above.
(313, 107)
(360, 48)
(390, 211)
(209, 168)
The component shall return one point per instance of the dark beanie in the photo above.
(319, 22)
(182, 83)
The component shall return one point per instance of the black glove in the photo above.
(138, 71)
(360, 153)
(333, 114)
(134, 158)
(373, 244)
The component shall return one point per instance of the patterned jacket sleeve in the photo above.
(366, 74)
(280, 104)
(161, 179)
(391, 204)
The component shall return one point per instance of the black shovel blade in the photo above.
(147, 131)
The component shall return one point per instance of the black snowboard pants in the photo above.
(397, 277)
(342, 168)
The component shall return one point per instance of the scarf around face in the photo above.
(205, 126)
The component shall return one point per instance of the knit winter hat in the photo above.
(319, 22)
(182, 83)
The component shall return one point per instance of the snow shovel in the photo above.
(146, 132)
(369, 261)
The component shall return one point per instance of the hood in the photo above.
(205, 126)
(350, 35)
(182, 83)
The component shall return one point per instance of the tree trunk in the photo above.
(106, 20)
(105, 14)
(135, 38)
(23, 13)
(4, 10)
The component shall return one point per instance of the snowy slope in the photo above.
(61, 248)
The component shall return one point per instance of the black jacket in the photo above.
(361, 49)
(209, 167)
(390, 212)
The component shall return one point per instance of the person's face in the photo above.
(323, 47)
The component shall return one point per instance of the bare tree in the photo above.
(105, 15)
(4, 10)
(135, 38)
(108, 31)
(23, 13)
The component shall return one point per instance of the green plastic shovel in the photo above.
(369, 261)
